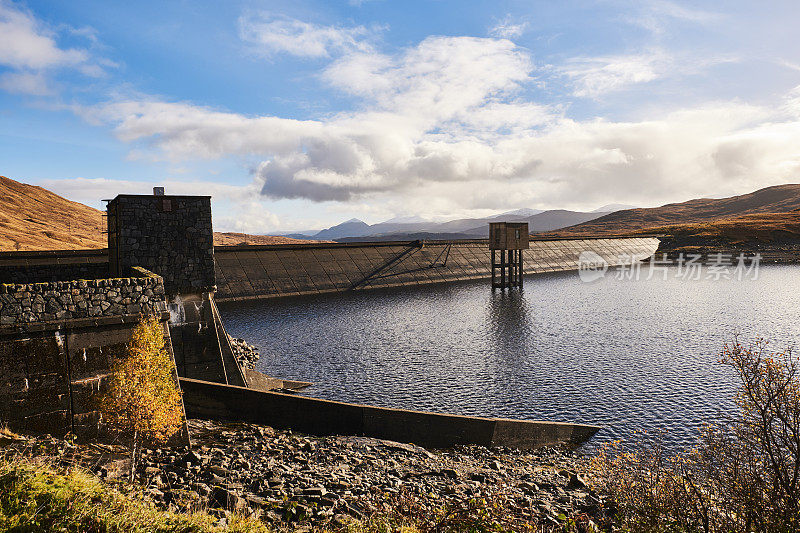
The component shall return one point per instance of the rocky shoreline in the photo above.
(293, 481)
(246, 354)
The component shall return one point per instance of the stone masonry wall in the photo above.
(43, 273)
(169, 235)
(22, 303)
(50, 374)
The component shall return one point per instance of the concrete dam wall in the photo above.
(250, 272)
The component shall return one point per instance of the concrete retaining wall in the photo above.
(248, 272)
(51, 372)
(322, 417)
(201, 346)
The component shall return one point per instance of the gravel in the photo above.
(295, 481)
(294, 478)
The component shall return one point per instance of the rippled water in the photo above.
(628, 355)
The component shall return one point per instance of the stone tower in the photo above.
(169, 235)
(173, 237)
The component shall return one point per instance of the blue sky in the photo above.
(301, 114)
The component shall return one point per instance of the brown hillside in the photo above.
(763, 227)
(232, 239)
(33, 218)
(777, 199)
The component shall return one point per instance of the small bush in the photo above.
(143, 401)
(743, 475)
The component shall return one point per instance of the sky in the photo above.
(297, 115)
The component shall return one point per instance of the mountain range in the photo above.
(33, 218)
(405, 228)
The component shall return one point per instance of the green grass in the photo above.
(35, 497)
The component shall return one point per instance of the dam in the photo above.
(276, 271)
(160, 260)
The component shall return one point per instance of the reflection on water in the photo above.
(623, 354)
(508, 319)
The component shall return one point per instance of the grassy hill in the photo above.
(759, 227)
(33, 218)
(231, 239)
(776, 200)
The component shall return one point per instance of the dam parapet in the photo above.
(50, 293)
(249, 272)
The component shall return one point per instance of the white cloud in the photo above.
(33, 83)
(677, 11)
(236, 207)
(434, 80)
(183, 131)
(594, 76)
(507, 28)
(381, 148)
(92, 190)
(30, 50)
(247, 216)
(656, 15)
(25, 44)
(271, 33)
(442, 127)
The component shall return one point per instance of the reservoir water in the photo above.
(625, 354)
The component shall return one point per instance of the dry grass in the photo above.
(36, 496)
(33, 218)
(781, 199)
(763, 227)
(234, 239)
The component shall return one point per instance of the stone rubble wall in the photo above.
(22, 303)
(48, 273)
(246, 354)
(51, 372)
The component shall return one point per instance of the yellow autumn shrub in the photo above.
(142, 399)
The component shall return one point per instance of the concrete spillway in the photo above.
(216, 401)
(249, 272)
